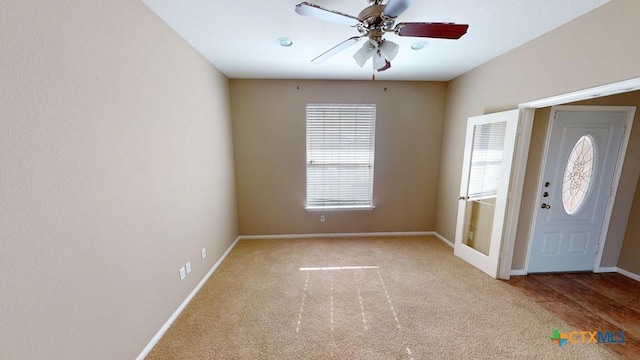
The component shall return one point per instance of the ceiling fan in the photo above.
(372, 22)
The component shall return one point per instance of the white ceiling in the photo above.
(239, 36)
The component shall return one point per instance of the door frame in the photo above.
(527, 113)
(516, 188)
(617, 172)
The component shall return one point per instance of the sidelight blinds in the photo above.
(486, 160)
(340, 156)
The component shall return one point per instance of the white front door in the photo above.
(488, 155)
(578, 172)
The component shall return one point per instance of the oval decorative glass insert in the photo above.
(578, 174)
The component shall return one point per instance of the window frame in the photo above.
(349, 205)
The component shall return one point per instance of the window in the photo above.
(578, 174)
(340, 152)
(486, 160)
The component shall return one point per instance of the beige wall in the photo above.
(269, 141)
(629, 256)
(116, 168)
(626, 186)
(597, 48)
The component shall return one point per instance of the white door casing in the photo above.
(579, 173)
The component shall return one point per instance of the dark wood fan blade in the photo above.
(336, 49)
(432, 30)
(317, 12)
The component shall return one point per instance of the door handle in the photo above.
(463, 198)
(545, 206)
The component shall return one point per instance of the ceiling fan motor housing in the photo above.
(371, 15)
(374, 22)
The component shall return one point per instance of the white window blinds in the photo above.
(486, 160)
(340, 155)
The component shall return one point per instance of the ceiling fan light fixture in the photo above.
(284, 41)
(360, 57)
(389, 49)
(366, 51)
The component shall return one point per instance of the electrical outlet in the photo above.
(204, 253)
(188, 267)
(470, 235)
(322, 218)
(183, 273)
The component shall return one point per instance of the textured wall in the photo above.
(269, 140)
(597, 48)
(116, 167)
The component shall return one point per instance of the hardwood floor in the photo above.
(590, 302)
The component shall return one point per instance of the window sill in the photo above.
(339, 208)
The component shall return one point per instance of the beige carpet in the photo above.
(360, 298)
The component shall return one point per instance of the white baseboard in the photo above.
(334, 235)
(443, 239)
(518, 272)
(629, 274)
(184, 304)
(608, 269)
